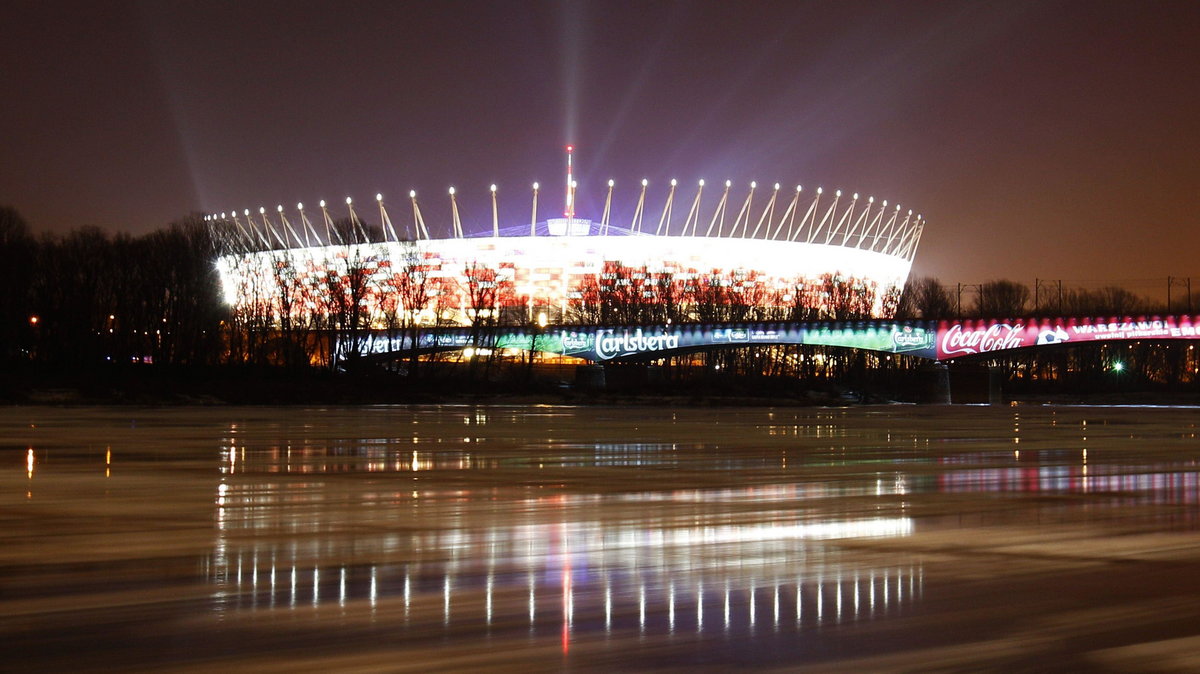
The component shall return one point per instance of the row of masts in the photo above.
(846, 222)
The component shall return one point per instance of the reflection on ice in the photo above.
(1067, 472)
(716, 533)
(414, 453)
(632, 574)
(610, 599)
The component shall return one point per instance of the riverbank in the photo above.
(252, 386)
(265, 386)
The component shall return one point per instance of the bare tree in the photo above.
(482, 291)
(347, 289)
(925, 297)
(1001, 299)
(408, 292)
(847, 298)
(1106, 301)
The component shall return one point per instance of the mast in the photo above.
(570, 210)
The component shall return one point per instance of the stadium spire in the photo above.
(570, 210)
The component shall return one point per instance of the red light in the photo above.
(570, 148)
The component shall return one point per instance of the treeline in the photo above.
(88, 298)
(926, 297)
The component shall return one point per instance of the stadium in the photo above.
(803, 255)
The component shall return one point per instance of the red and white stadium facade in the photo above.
(792, 249)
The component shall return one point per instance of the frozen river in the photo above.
(527, 538)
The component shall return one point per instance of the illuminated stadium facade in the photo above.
(796, 256)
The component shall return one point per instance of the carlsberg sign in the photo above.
(615, 344)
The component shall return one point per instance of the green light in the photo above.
(1118, 366)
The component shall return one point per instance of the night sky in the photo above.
(1058, 140)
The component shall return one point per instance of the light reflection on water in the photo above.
(567, 523)
(1141, 484)
(572, 574)
(1057, 471)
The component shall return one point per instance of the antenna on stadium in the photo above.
(872, 223)
(666, 214)
(745, 211)
(418, 221)
(813, 232)
(860, 221)
(808, 216)
(886, 229)
(307, 225)
(767, 214)
(916, 240)
(720, 212)
(533, 218)
(495, 214)
(244, 238)
(693, 215)
(607, 209)
(637, 214)
(262, 213)
(789, 211)
(458, 232)
(842, 221)
(258, 239)
(384, 220)
(329, 226)
(898, 235)
(359, 230)
(287, 227)
(569, 212)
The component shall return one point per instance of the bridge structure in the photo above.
(933, 340)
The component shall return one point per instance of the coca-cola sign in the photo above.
(972, 337)
(960, 340)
